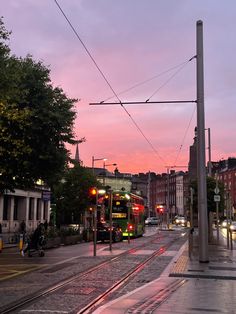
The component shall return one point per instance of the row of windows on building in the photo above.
(16, 209)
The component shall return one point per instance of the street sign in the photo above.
(46, 195)
(216, 190)
(217, 198)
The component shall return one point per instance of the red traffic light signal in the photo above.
(93, 191)
(160, 209)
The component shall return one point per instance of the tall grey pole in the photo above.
(217, 213)
(95, 226)
(209, 152)
(168, 198)
(110, 218)
(148, 195)
(201, 158)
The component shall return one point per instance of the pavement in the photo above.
(187, 286)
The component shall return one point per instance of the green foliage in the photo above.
(36, 122)
(69, 232)
(53, 233)
(72, 194)
(211, 204)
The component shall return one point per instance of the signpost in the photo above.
(217, 200)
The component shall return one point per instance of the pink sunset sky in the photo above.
(133, 41)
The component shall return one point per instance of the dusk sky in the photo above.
(134, 42)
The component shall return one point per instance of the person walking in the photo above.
(23, 229)
(34, 241)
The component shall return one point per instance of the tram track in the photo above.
(123, 281)
(86, 276)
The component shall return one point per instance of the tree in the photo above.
(211, 204)
(36, 122)
(71, 195)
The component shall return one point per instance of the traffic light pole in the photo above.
(168, 199)
(110, 218)
(95, 226)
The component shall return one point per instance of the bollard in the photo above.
(21, 242)
(1, 243)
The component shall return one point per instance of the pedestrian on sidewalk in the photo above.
(23, 229)
(33, 243)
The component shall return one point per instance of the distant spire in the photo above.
(77, 159)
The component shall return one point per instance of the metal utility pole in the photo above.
(191, 224)
(201, 158)
(110, 218)
(217, 210)
(168, 198)
(209, 152)
(95, 226)
(148, 194)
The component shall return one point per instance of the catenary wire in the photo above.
(168, 80)
(86, 49)
(106, 80)
(185, 134)
(147, 80)
(104, 77)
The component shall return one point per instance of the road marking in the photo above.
(43, 311)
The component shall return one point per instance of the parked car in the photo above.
(180, 221)
(152, 221)
(103, 232)
(232, 226)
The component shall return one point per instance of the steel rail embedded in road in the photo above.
(45, 292)
(32, 299)
(94, 304)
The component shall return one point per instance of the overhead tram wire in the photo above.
(147, 80)
(86, 49)
(106, 80)
(186, 131)
(169, 79)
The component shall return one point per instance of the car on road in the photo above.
(152, 221)
(180, 221)
(224, 223)
(232, 226)
(103, 232)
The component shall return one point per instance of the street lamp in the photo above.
(104, 170)
(96, 159)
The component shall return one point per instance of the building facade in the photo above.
(32, 206)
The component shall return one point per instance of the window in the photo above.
(31, 208)
(5, 207)
(38, 209)
(15, 211)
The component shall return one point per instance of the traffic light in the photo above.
(93, 195)
(93, 191)
(160, 209)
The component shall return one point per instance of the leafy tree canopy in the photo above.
(71, 195)
(36, 121)
(211, 204)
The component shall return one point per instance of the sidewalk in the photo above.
(186, 286)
